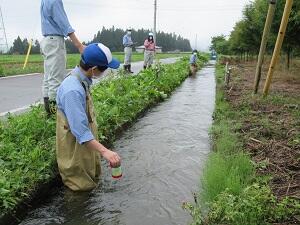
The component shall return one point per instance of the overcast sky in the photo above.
(189, 18)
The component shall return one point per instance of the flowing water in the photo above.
(163, 154)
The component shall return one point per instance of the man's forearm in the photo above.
(96, 146)
(76, 42)
(112, 157)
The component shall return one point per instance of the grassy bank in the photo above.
(13, 64)
(236, 185)
(27, 142)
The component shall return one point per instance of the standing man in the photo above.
(128, 44)
(77, 147)
(193, 62)
(55, 27)
(149, 51)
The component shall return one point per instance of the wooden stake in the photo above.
(263, 44)
(280, 38)
(28, 52)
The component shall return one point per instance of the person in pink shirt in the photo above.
(149, 51)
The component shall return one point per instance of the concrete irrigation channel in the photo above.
(163, 154)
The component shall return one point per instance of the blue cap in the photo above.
(97, 54)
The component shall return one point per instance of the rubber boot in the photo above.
(129, 69)
(145, 67)
(126, 68)
(46, 105)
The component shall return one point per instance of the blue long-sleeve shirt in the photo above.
(193, 59)
(54, 19)
(127, 41)
(71, 100)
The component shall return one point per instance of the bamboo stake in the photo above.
(280, 38)
(263, 45)
(28, 52)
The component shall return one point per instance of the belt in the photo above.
(58, 35)
(151, 50)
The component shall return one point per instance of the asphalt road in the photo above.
(18, 93)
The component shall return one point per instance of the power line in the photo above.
(154, 27)
(184, 9)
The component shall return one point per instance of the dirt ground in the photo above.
(271, 128)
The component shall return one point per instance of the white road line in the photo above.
(21, 109)
(23, 75)
(33, 74)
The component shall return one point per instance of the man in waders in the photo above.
(55, 27)
(77, 148)
(149, 51)
(128, 44)
(193, 63)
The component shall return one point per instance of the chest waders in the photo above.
(78, 166)
(193, 69)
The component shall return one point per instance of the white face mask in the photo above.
(195, 53)
(95, 76)
(129, 32)
(150, 37)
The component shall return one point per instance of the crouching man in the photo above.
(78, 150)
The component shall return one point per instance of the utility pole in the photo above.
(3, 38)
(154, 27)
(196, 41)
(263, 45)
(278, 45)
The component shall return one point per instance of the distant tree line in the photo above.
(246, 36)
(112, 38)
(20, 46)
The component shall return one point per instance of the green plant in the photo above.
(255, 205)
(231, 172)
(1, 71)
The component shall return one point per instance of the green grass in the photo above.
(255, 205)
(13, 64)
(227, 172)
(227, 167)
(27, 141)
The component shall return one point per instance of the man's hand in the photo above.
(112, 157)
